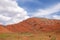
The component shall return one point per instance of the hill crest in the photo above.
(35, 25)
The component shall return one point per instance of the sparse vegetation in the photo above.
(28, 36)
(53, 38)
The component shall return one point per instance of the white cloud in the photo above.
(11, 13)
(4, 18)
(46, 12)
(56, 17)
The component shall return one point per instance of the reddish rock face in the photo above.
(3, 29)
(34, 25)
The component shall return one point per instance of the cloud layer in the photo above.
(48, 11)
(11, 13)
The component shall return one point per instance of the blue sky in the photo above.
(15, 11)
(34, 5)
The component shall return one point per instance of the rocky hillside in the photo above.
(32, 25)
(35, 25)
(3, 29)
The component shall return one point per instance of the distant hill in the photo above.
(35, 25)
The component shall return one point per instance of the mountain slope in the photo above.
(34, 25)
(3, 29)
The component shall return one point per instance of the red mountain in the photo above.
(35, 25)
(3, 29)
